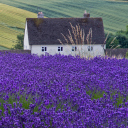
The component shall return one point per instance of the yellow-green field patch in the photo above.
(12, 23)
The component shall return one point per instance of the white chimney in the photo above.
(86, 14)
(40, 15)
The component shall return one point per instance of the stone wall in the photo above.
(116, 52)
(16, 51)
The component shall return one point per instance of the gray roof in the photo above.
(48, 30)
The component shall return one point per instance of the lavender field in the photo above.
(63, 92)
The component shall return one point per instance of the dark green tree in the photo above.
(127, 30)
(126, 55)
(19, 42)
(111, 41)
(122, 37)
(123, 41)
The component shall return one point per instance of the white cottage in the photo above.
(42, 34)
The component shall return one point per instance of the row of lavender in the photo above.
(63, 91)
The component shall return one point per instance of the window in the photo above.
(74, 48)
(44, 49)
(90, 48)
(60, 48)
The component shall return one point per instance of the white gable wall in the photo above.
(26, 41)
(67, 49)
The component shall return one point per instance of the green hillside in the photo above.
(12, 17)
(3, 48)
(12, 23)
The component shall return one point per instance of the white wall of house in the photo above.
(26, 41)
(95, 49)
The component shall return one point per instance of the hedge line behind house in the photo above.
(116, 52)
(16, 51)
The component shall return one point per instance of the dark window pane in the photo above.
(58, 48)
(75, 48)
(45, 49)
(42, 48)
(61, 48)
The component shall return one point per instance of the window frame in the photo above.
(90, 48)
(74, 48)
(60, 48)
(44, 49)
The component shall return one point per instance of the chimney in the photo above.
(40, 15)
(86, 15)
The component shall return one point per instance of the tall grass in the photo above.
(80, 41)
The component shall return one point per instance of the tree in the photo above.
(111, 41)
(123, 38)
(127, 29)
(19, 42)
(123, 41)
(126, 55)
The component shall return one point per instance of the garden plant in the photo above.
(63, 91)
(78, 33)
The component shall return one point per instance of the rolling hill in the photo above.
(13, 14)
(12, 23)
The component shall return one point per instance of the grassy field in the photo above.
(12, 23)
(13, 14)
(3, 48)
(115, 18)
